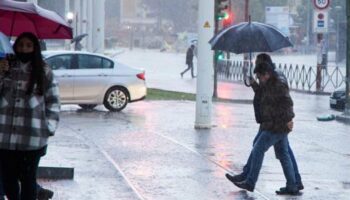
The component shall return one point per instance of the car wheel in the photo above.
(88, 106)
(116, 99)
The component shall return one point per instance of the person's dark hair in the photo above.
(264, 67)
(37, 75)
(263, 57)
(193, 46)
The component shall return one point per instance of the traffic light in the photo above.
(219, 55)
(228, 19)
(221, 9)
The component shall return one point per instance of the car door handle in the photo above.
(102, 75)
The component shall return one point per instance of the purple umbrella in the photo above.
(18, 17)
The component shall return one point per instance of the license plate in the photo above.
(333, 101)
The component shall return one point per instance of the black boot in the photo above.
(287, 191)
(236, 178)
(244, 185)
(300, 186)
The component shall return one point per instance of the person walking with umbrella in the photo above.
(29, 116)
(276, 109)
(189, 61)
(261, 58)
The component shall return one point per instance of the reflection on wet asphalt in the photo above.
(162, 156)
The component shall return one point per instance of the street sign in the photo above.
(320, 21)
(321, 4)
(279, 17)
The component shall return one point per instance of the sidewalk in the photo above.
(94, 176)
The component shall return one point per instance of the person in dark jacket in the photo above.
(189, 61)
(274, 111)
(256, 103)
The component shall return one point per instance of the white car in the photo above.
(89, 79)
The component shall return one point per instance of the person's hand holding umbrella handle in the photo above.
(251, 80)
(6, 63)
(248, 80)
(4, 66)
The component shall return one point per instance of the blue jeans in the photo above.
(246, 167)
(262, 144)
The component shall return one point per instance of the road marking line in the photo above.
(110, 159)
(196, 152)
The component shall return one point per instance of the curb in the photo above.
(45, 172)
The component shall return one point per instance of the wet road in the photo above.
(153, 152)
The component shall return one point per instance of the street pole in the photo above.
(246, 63)
(337, 39)
(98, 26)
(205, 65)
(246, 10)
(309, 11)
(347, 105)
(215, 61)
(66, 11)
(77, 12)
(320, 62)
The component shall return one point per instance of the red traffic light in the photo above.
(228, 19)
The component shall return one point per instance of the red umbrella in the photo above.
(18, 17)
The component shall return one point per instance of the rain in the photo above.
(140, 125)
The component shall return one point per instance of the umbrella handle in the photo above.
(246, 78)
(246, 83)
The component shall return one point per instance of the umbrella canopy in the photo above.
(5, 46)
(248, 37)
(18, 17)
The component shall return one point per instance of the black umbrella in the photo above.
(248, 37)
(77, 40)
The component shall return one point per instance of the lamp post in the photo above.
(337, 9)
(69, 18)
(131, 36)
(347, 91)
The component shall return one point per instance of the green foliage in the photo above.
(157, 94)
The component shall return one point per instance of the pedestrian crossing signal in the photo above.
(219, 55)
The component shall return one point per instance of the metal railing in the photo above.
(300, 78)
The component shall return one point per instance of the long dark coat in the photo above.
(273, 105)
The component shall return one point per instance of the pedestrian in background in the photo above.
(189, 61)
(29, 115)
(273, 110)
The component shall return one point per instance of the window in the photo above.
(107, 64)
(89, 62)
(60, 62)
